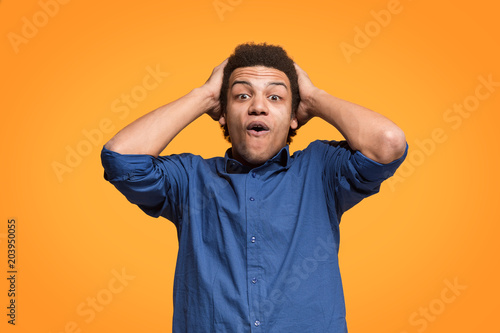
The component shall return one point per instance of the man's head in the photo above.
(259, 90)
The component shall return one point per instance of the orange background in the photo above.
(438, 222)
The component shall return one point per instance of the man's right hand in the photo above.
(212, 88)
(151, 133)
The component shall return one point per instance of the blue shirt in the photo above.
(258, 248)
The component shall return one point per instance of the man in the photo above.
(258, 229)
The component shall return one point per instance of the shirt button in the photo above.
(253, 239)
(252, 199)
(254, 175)
(254, 280)
(257, 323)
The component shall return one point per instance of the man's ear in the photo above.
(294, 123)
(222, 119)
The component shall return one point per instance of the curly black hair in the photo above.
(273, 56)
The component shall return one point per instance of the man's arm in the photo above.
(375, 136)
(151, 133)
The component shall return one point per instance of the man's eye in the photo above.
(274, 97)
(242, 96)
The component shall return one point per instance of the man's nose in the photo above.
(258, 106)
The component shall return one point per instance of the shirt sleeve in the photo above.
(155, 185)
(351, 176)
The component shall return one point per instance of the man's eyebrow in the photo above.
(276, 83)
(241, 82)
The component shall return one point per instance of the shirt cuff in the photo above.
(119, 167)
(372, 170)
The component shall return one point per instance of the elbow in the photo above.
(111, 145)
(118, 146)
(392, 145)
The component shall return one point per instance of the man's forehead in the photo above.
(260, 73)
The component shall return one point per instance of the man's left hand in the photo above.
(307, 90)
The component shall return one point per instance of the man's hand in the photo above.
(151, 133)
(212, 87)
(369, 132)
(307, 90)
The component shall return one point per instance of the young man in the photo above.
(258, 229)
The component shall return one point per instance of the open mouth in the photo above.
(257, 128)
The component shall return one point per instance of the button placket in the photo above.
(254, 262)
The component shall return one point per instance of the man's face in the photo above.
(258, 113)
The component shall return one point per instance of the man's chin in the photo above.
(253, 158)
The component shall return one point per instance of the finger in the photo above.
(222, 64)
(217, 71)
(298, 68)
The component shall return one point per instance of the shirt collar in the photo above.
(282, 158)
